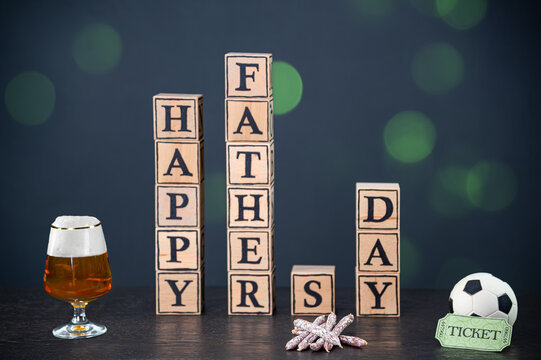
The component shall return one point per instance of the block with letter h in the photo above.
(312, 289)
(377, 278)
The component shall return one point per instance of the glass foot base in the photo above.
(87, 330)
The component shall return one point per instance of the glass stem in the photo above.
(79, 315)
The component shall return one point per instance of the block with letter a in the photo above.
(312, 289)
(249, 120)
(179, 162)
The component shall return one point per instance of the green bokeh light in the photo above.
(410, 261)
(455, 269)
(427, 7)
(409, 136)
(97, 49)
(287, 87)
(373, 9)
(215, 198)
(462, 14)
(30, 98)
(491, 185)
(437, 68)
(448, 193)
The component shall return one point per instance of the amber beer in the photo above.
(77, 278)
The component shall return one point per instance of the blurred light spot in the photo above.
(437, 68)
(491, 185)
(462, 14)
(455, 269)
(410, 262)
(97, 49)
(427, 7)
(287, 87)
(215, 198)
(30, 98)
(409, 136)
(373, 9)
(448, 193)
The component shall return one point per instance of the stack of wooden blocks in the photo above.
(250, 183)
(178, 136)
(378, 249)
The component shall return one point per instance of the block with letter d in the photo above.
(179, 293)
(251, 293)
(377, 294)
(378, 206)
(312, 289)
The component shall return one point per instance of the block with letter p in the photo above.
(179, 249)
(179, 206)
(178, 116)
(248, 75)
(250, 207)
(312, 289)
(378, 206)
(251, 293)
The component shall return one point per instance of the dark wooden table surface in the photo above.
(27, 316)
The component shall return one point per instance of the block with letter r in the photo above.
(378, 206)
(179, 206)
(248, 75)
(312, 289)
(179, 293)
(178, 116)
(251, 293)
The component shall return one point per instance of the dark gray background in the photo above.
(95, 154)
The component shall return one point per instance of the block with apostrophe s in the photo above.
(378, 294)
(250, 207)
(178, 116)
(179, 249)
(250, 250)
(312, 289)
(179, 206)
(251, 293)
(249, 120)
(248, 75)
(179, 162)
(378, 251)
(378, 206)
(179, 293)
(250, 164)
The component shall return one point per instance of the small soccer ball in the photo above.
(483, 294)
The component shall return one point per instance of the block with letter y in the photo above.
(378, 294)
(179, 293)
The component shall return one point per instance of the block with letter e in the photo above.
(312, 289)
(179, 293)
(178, 116)
(378, 206)
(250, 207)
(249, 120)
(250, 250)
(248, 75)
(250, 164)
(378, 294)
(251, 293)
(179, 249)
(179, 206)
(179, 162)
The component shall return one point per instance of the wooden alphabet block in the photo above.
(378, 294)
(179, 206)
(378, 206)
(179, 293)
(251, 293)
(250, 164)
(179, 162)
(312, 289)
(250, 250)
(179, 249)
(178, 116)
(378, 251)
(249, 120)
(250, 207)
(248, 75)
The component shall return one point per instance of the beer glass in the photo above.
(77, 271)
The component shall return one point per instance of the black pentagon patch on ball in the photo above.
(473, 287)
(451, 306)
(504, 303)
(474, 314)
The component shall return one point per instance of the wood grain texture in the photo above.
(179, 249)
(135, 332)
(179, 293)
(312, 289)
(378, 206)
(378, 251)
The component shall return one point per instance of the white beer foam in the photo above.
(76, 242)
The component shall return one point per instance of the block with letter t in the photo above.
(179, 293)
(251, 293)
(312, 289)
(378, 294)
(250, 207)
(250, 250)
(250, 163)
(178, 116)
(248, 75)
